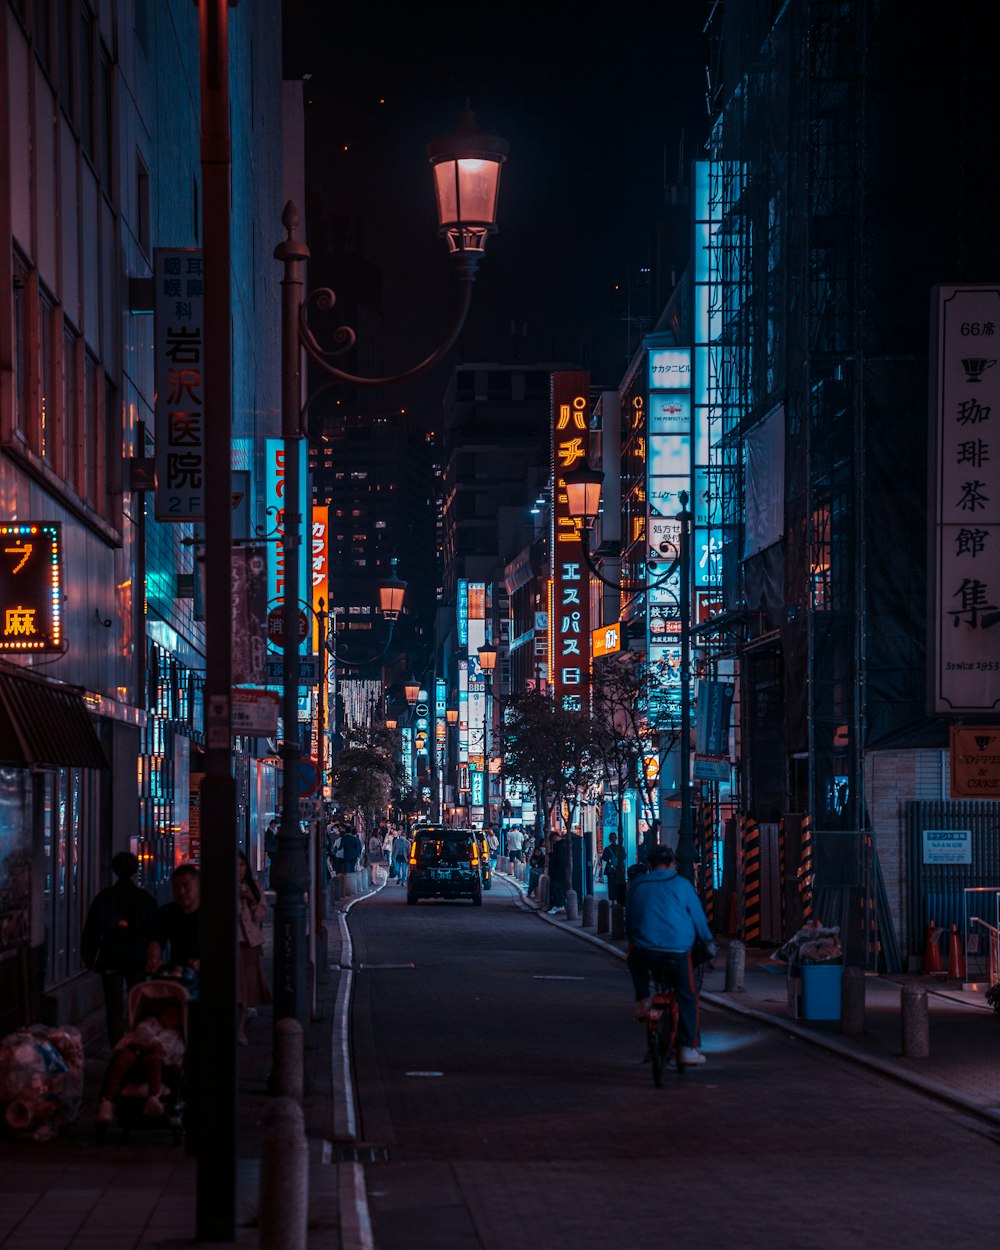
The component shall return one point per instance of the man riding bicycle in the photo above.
(663, 916)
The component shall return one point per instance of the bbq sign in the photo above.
(30, 588)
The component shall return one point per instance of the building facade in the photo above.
(101, 168)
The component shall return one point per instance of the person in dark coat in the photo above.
(177, 940)
(557, 874)
(120, 923)
(536, 866)
(351, 848)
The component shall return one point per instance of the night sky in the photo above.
(594, 107)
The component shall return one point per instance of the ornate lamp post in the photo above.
(488, 655)
(466, 170)
(583, 490)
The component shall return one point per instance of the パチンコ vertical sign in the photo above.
(569, 610)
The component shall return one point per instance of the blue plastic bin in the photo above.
(821, 991)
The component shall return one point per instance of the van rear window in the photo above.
(444, 850)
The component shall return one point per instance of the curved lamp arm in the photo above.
(633, 588)
(371, 659)
(344, 338)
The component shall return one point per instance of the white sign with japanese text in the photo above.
(965, 502)
(179, 373)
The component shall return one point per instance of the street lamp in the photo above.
(488, 655)
(411, 691)
(583, 491)
(466, 171)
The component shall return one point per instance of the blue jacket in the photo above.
(662, 911)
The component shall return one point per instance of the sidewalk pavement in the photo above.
(962, 1069)
(71, 1194)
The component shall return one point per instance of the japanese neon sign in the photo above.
(30, 588)
(569, 609)
(179, 364)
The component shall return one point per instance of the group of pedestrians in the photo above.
(128, 937)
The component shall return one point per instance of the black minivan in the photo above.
(444, 863)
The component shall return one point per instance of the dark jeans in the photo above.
(532, 880)
(673, 969)
(557, 890)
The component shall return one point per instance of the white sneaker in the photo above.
(690, 1057)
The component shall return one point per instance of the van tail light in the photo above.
(413, 854)
(475, 858)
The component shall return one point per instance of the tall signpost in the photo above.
(215, 1091)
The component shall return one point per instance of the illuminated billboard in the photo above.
(31, 588)
(569, 608)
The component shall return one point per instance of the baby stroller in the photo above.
(150, 1000)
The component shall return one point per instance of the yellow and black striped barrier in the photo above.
(751, 877)
(807, 873)
(782, 874)
(708, 863)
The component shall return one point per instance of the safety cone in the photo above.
(932, 951)
(956, 960)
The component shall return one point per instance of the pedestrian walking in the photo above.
(374, 853)
(270, 849)
(177, 940)
(493, 845)
(120, 924)
(351, 849)
(401, 856)
(558, 862)
(515, 843)
(337, 850)
(252, 990)
(536, 866)
(610, 859)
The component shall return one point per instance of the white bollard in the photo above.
(288, 1076)
(915, 1021)
(736, 958)
(284, 1178)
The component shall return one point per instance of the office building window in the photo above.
(22, 385)
(68, 440)
(42, 437)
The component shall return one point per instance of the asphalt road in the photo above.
(502, 1094)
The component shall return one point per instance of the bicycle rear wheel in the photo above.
(656, 1049)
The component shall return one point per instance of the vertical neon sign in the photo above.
(569, 607)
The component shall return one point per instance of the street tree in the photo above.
(550, 750)
(629, 724)
(365, 776)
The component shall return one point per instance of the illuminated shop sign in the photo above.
(569, 609)
(178, 370)
(31, 588)
(965, 499)
(274, 486)
(607, 640)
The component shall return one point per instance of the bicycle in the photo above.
(663, 1048)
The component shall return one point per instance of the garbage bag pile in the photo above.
(813, 944)
(41, 1081)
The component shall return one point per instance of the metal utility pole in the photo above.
(685, 835)
(215, 1016)
(290, 870)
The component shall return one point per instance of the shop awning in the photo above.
(45, 724)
